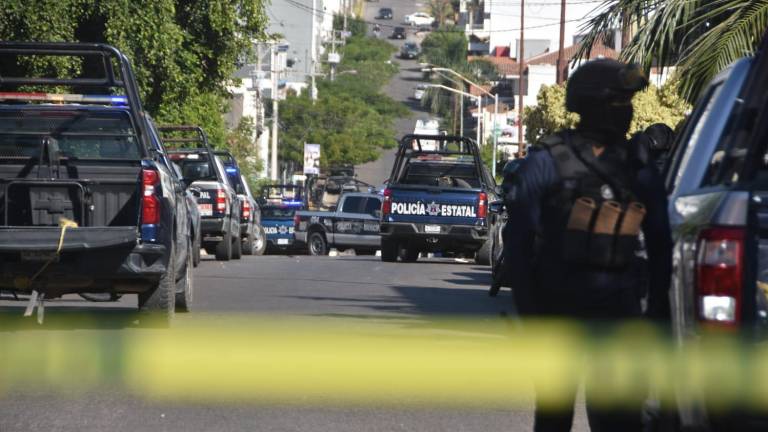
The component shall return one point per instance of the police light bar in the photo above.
(230, 170)
(64, 97)
(292, 203)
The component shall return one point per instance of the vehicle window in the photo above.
(692, 133)
(443, 175)
(277, 212)
(79, 134)
(373, 206)
(352, 204)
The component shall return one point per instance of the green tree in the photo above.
(183, 51)
(699, 37)
(441, 10)
(352, 119)
(654, 105)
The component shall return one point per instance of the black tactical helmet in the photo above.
(600, 81)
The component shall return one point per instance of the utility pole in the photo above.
(275, 122)
(345, 9)
(521, 62)
(560, 72)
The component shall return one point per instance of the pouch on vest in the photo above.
(577, 232)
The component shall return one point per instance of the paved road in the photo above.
(358, 290)
(400, 88)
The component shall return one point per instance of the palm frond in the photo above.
(737, 36)
(700, 37)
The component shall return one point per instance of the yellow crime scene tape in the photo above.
(452, 362)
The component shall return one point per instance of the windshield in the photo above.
(78, 134)
(277, 212)
(194, 167)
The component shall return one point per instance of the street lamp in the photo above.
(455, 81)
(495, 105)
(451, 89)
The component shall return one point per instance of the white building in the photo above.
(493, 26)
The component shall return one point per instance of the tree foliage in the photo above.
(654, 105)
(700, 37)
(183, 51)
(352, 119)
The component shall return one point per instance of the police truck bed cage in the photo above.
(105, 70)
(167, 135)
(447, 148)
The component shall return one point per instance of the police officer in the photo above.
(580, 202)
(500, 277)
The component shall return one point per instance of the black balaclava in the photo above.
(601, 91)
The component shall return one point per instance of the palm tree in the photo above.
(441, 9)
(699, 37)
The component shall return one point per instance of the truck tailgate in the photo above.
(434, 206)
(17, 239)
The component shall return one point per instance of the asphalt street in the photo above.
(348, 289)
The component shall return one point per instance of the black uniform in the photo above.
(551, 282)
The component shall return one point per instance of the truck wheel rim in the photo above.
(317, 245)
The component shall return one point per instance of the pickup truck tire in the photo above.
(159, 302)
(483, 255)
(317, 244)
(237, 247)
(184, 287)
(249, 243)
(409, 255)
(196, 251)
(388, 250)
(260, 242)
(224, 248)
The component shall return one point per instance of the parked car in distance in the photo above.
(385, 14)
(419, 19)
(398, 33)
(418, 91)
(279, 203)
(217, 200)
(353, 225)
(409, 50)
(251, 234)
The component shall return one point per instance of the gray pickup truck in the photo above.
(353, 225)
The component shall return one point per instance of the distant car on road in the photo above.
(409, 50)
(419, 19)
(398, 33)
(385, 14)
(418, 92)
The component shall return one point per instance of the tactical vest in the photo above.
(603, 215)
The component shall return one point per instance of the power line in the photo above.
(318, 13)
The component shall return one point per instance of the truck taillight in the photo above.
(246, 210)
(719, 267)
(386, 205)
(150, 204)
(482, 205)
(221, 201)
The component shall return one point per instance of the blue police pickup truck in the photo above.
(437, 200)
(279, 204)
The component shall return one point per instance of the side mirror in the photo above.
(499, 191)
(496, 207)
(377, 214)
(195, 192)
